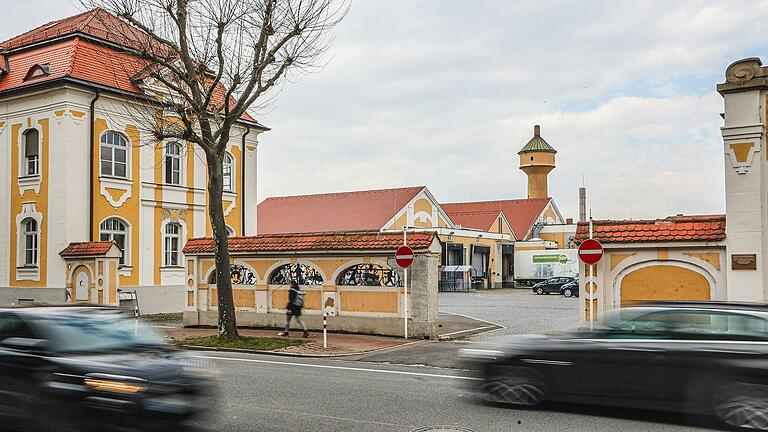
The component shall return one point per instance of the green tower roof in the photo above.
(537, 143)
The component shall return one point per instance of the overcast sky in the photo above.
(444, 94)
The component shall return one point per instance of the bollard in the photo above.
(325, 330)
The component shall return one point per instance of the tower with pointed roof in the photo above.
(537, 159)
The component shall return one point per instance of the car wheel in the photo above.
(539, 290)
(567, 292)
(514, 386)
(743, 405)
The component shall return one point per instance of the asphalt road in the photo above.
(269, 393)
(417, 386)
(520, 311)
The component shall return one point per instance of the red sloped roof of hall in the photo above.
(343, 211)
(520, 213)
(673, 228)
(330, 241)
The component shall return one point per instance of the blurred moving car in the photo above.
(706, 358)
(86, 367)
(571, 289)
(551, 285)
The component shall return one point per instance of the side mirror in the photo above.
(25, 344)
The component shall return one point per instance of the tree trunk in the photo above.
(227, 320)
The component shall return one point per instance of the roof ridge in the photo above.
(498, 201)
(344, 193)
(75, 46)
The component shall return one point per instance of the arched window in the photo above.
(240, 275)
(369, 275)
(173, 163)
(114, 154)
(171, 241)
(303, 274)
(30, 233)
(230, 231)
(31, 152)
(227, 173)
(114, 229)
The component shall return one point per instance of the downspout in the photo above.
(92, 144)
(242, 184)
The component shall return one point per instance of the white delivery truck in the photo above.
(532, 267)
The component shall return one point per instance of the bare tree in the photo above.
(215, 59)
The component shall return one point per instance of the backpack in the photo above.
(299, 299)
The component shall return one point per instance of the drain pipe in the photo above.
(92, 144)
(242, 183)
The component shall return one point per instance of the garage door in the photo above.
(663, 282)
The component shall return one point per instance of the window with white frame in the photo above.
(114, 154)
(115, 229)
(30, 236)
(230, 231)
(172, 242)
(227, 173)
(173, 163)
(31, 152)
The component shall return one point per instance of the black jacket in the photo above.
(295, 310)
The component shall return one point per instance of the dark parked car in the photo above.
(571, 289)
(707, 358)
(551, 285)
(83, 368)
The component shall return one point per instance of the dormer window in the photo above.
(37, 71)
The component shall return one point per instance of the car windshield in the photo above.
(96, 331)
(688, 323)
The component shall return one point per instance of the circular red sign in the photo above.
(404, 256)
(590, 251)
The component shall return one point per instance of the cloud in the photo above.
(444, 93)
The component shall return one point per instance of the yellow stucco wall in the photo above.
(129, 210)
(366, 301)
(663, 282)
(39, 199)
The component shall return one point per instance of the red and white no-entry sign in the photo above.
(404, 256)
(590, 251)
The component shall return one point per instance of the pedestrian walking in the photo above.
(293, 309)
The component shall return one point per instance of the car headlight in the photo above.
(115, 383)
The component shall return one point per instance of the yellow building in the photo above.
(80, 169)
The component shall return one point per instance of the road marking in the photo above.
(383, 371)
(471, 317)
(443, 336)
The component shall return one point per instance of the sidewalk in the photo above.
(339, 344)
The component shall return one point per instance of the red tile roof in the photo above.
(347, 241)
(83, 249)
(482, 220)
(670, 229)
(75, 56)
(345, 211)
(520, 213)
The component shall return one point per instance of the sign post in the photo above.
(590, 253)
(404, 258)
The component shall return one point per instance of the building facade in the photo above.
(80, 167)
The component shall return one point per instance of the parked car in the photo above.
(551, 285)
(571, 289)
(706, 358)
(94, 368)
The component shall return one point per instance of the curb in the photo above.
(289, 354)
